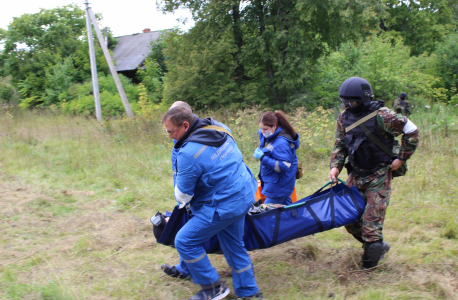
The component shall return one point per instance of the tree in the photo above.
(45, 52)
(152, 75)
(378, 60)
(422, 24)
(258, 50)
(446, 64)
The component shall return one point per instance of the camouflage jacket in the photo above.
(402, 106)
(388, 123)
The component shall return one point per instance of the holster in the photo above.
(349, 167)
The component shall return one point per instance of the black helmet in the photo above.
(356, 89)
(403, 96)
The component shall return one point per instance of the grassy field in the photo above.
(76, 197)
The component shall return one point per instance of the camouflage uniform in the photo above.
(402, 107)
(375, 188)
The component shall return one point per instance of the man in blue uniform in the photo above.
(213, 179)
(180, 270)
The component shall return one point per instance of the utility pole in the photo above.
(110, 64)
(95, 80)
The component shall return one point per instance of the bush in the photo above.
(79, 99)
(7, 91)
(111, 105)
(383, 61)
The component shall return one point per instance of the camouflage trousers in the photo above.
(376, 191)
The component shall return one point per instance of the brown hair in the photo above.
(278, 118)
(178, 115)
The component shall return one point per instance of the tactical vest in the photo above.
(362, 152)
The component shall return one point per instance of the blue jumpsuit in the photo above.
(278, 166)
(181, 266)
(220, 188)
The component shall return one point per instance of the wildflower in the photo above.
(427, 106)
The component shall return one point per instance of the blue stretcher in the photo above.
(334, 207)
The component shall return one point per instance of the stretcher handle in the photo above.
(341, 181)
(303, 203)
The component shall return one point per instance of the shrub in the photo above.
(383, 61)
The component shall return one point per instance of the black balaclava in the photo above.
(354, 110)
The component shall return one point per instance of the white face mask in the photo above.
(267, 134)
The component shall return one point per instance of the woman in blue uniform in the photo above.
(277, 153)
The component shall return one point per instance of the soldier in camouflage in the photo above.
(401, 105)
(370, 168)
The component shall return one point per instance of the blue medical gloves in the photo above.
(258, 153)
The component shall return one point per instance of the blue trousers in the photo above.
(279, 200)
(182, 268)
(189, 241)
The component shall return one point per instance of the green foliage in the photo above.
(284, 54)
(383, 61)
(316, 129)
(59, 79)
(422, 24)
(45, 52)
(200, 68)
(146, 109)
(151, 78)
(7, 91)
(78, 98)
(446, 65)
(258, 52)
(157, 52)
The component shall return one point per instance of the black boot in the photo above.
(373, 252)
(172, 271)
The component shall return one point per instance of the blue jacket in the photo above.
(211, 174)
(175, 151)
(279, 163)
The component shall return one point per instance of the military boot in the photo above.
(373, 252)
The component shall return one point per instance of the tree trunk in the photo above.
(276, 95)
(238, 37)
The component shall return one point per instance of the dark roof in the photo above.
(132, 50)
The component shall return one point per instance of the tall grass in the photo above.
(76, 197)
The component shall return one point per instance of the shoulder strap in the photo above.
(217, 128)
(376, 140)
(360, 121)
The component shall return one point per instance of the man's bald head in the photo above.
(181, 104)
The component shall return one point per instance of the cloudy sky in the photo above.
(124, 18)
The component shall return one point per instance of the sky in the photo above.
(124, 18)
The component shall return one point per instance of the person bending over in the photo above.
(213, 179)
(180, 270)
